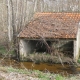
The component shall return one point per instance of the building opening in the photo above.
(63, 46)
(39, 46)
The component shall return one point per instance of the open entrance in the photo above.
(64, 46)
(39, 46)
(36, 50)
(67, 48)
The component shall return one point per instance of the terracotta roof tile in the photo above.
(52, 25)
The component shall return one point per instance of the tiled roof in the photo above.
(52, 25)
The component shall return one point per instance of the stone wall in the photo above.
(77, 45)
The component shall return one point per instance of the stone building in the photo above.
(59, 30)
(14, 14)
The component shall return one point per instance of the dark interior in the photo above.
(39, 46)
(67, 48)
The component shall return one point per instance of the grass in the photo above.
(40, 57)
(31, 73)
(46, 58)
(43, 76)
(2, 50)
(39, 74)
(78, 60)
(36, 73)
(59, 77)
(21, 71)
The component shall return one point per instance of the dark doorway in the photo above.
(39, 46)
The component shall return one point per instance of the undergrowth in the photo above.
(39, 74)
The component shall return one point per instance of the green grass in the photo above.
(59, 77)
(79, 60)
(33, 73)
(39, 74)
(21, 71)
(2, 50)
